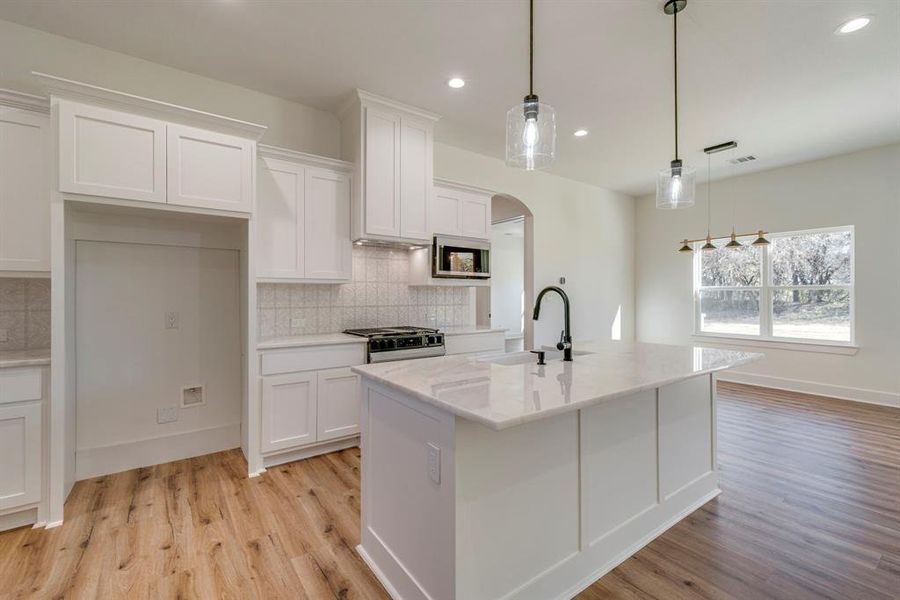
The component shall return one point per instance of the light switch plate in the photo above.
(172, 320)
(434, 462)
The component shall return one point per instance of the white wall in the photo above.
(129, 363)
(860, 189)
(291, 125)
(582, 232)
(508, 276)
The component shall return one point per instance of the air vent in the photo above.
(742, 159)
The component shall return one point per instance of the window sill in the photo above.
(796, 345)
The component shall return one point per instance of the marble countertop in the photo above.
(24, 358)
(313, 339)
(504, 390)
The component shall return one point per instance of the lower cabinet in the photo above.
(299, 409)
(21, 438)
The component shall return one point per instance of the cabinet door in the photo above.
(476, 216)
(415, 178)
(338, 404)
(108, 153)
(279, 220)
(208, 169)
(446, 211)
(20, 454)
(288, 411)
(327, 225)
(24, 191)
(382, 173)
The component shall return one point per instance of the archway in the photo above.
(509, 300)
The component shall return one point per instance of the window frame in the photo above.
(767, 291)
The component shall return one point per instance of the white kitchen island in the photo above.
(493, 477)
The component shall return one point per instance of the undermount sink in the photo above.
(523, 358)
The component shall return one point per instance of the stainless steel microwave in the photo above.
(460, 258)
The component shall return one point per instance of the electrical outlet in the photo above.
(172, 320)
(168, 414)
(434, 463)
(4, 335)
(297, 322)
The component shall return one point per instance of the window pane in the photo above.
(811, 259)
(729, 311)
(812, 314)
(731, 267)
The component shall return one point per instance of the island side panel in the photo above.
(407, 528)
(517, 504)
(686, 437)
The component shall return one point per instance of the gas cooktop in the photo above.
(398, 330)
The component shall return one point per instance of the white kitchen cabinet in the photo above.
(326, 225)
(302, 217)
(280, 204)
(288, 411)
(206, 169)
(24, 190)
(20, 454)
(391, 146)
(416, 165)
(382, 173)
(460, 210)
(338, 404)
(109, 153)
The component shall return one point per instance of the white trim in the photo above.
(365, 98)
(822, 346)
(59, 86)
(93, 462)
(266, 151)
(815, 388)
(471, 188)
(279, 458)
(14, 99)
(20, 518)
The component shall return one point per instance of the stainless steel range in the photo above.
(400, 343)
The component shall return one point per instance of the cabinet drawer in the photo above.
(20, 384)
(292, 360)
(474, 343)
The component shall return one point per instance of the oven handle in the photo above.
(391, 355)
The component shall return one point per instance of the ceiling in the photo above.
(770, 74)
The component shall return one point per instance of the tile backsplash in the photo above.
(24, 313)
(378, 296)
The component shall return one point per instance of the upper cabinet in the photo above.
(206, 169)
(109, 153)
(302, 219)
(24, 183)
(391, 146)
(460, 210)
(123, 147)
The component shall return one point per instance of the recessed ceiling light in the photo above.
(581, 132)
(456, 83)
(853, 25)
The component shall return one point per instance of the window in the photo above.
(799, 288)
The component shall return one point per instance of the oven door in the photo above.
(460, 258)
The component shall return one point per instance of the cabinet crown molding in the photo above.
(24, 101)
(79, 91)
(463, 186)
(362, 97)
(265, 151)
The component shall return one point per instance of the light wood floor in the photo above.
(810, 509)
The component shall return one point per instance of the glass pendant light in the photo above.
(531, 125)
(675, 186)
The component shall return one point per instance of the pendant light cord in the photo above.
(708, 193)
(531, 49)
(675, 55)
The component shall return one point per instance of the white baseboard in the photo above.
(301, 453)
(93, 462)
(18, 519)
(814, 387)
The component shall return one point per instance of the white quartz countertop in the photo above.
(24, 358)
(313, 339)
(510, 389)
